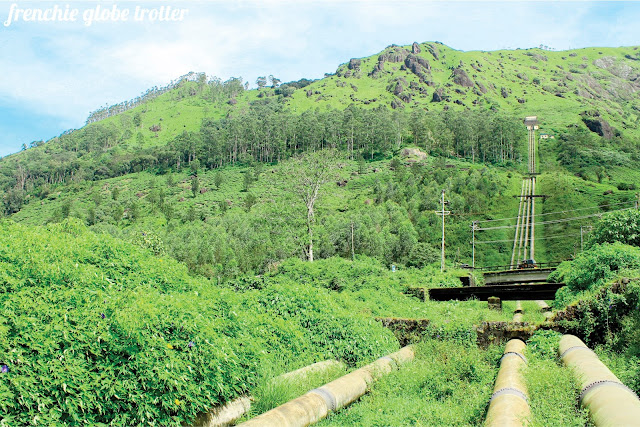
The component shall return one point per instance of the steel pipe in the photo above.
(517, 313)
(509, 404)
(230, 412)
(609, 401)
(515, 238)
(318, 403)
(546, 310)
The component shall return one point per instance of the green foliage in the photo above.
(249, 201)
(133, 212)
(623, 227)
(423, 254)
(117, 212)
(592, 268)
(66, 209)
(195, 185)
(97, 330)
(248, 180)
(150, 241)
(91, 216)
(194, 166)
(447, 384)
(552, 388)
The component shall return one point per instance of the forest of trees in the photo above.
(264, 132)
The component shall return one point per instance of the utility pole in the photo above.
(443, 213)
(353, 251)
(588, 228)
(474, 224)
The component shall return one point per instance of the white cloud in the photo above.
(67, 70)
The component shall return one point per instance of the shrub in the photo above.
(622, 226)
(591, 268)
(423, 254)
(100, 331)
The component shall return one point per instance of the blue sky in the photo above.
(52, 74)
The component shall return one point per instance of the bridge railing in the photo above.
(512, 267)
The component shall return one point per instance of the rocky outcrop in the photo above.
(438, 95)
(396, 103)
(594, 121)
(397, 86)
(393, 54)
(354, 64)
(418, 66)
(461, 78)
(618, 69)
(415, 48)
(414, 153)
(433, 51)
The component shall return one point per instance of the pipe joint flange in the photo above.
(575, 347)
(394, 364)
(596, 384)
(512, 391)
(328, 397)
(521, 356)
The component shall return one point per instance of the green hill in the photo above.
(151, 266)
(556, 86)
(461, 109)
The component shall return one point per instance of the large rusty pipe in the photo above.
(509, 405)
(610, 402)
(318, 403)
(232, 411)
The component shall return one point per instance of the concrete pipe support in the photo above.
(318, 403)
(610, 402)
(509, 405)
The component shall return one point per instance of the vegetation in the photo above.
(449, 383)
(156, 260)
(553, 390)
(97, 330)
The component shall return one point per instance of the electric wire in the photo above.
(559, 212)
(556, 221)
(557, 236)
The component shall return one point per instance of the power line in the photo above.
(559, 212)
(555, 221)
(556, 236)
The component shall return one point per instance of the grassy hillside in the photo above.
(247, 219)
(132, 172)
(93, 329)
(556, 86)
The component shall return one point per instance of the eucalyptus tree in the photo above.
(304, 176)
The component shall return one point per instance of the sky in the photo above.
(54, 73)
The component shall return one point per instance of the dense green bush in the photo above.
(623, 227)
(97, 330)
(591, 268)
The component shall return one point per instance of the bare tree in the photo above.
(304, 176)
